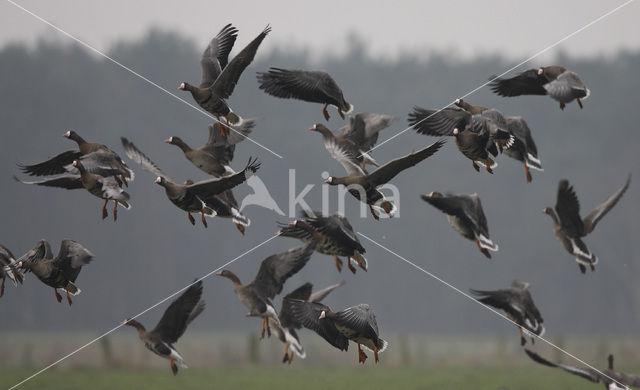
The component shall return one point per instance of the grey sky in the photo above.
(512, 28)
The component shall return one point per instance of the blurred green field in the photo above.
(305, 378)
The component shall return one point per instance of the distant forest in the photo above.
(152, 250)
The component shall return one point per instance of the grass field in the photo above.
(368, 377)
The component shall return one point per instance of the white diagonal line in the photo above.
(486, 307)
(510, 69)
(88, 46)
(139, 314)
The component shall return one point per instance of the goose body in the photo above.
(466, 216)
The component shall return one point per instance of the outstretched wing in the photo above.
(215, 56)
(71, 257)
(439, 122)
(145, 162)
(389, 170)
(69, 182)
(54, 166)
(596, 215)
(180, 313)
(206, 188)
(276, 269)
(526, 83)
(585, 373)
(568, 209)
(227, 80)
(314, 86)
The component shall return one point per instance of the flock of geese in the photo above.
(481, 134)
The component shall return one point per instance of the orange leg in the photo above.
(290, 356)
(483, 250)
(285, 358)
(204, 221)
(350, 266)
(240, 227)
(523, 341)
(325, 113)
(17, 276)
(262, 330)
(362, 357)
(220, 125)
(124, 180)
(375, 353)
(118, 181)
(562, 106)
(174, 367)
(363, 164)
(2, 286)
(338, 262)
(527, 172)
(375, 216)
(115, 211)
(340, 113)
(266, 320)
(488, 166)
(68, 297)
(193, 221)
(475, 166)
(387, 207)
(579, 103)
(533, 340)
(58, 296)
(104, 209)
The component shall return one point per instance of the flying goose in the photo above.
(357, 137)
(286, 331)
(8, 268)
(172, 325)
(190, 197)
(556, 81)
(476, 134)
(95, 157)
(332, 234)
(363, 186)
(106, 188)
(356, 323)
(612, 380)
(518, 305)
(215, 156)
(60, 272)
(315, 86)
(569, 227)
(466, 216)
(219, 78)
(273, 273)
